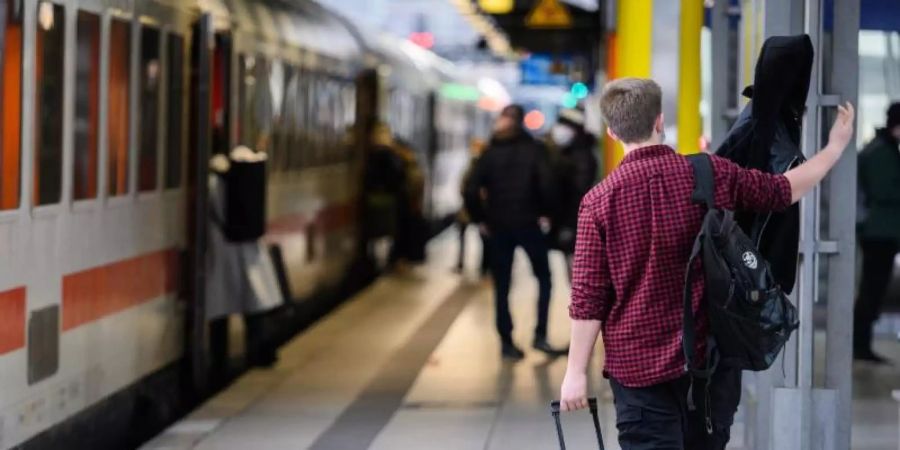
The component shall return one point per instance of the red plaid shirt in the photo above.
(635, 233)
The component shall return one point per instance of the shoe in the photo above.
(542, 345)
(870, 356)
(510, 351)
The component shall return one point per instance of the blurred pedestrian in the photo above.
(412, 234)
(575, 165)
(879, 231)
(386, 193)
(463, 218)
(510, 190)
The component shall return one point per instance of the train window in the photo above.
(256, 102)
(287, 152)
(149, 108)
(118, 114)
(10, 144)
(87, 111)
(49, 49)
(174, 125)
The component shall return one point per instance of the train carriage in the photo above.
(110, 111)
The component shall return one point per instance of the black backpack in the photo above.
(750, 317)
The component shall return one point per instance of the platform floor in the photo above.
(413, 363)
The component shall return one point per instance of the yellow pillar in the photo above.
(689, 123)
(633, 54)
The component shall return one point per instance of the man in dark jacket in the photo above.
(575, 165)
(510, 190)
(879, 232)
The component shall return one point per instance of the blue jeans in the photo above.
(503, 245)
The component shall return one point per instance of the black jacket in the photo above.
(511, 186)
(576, 173)
(766, 137)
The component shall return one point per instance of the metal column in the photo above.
(812, 413)
(723, 104)
(843, 82)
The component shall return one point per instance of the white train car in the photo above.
(109, 112)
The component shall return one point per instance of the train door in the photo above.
(211, 68)
(222, 142)
(199, 152)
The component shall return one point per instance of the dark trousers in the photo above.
(877, 267)
(658, 418)
(503, 245)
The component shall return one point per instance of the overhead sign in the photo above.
(549, 14)
(546, 70)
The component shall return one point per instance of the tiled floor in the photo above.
(412, 363)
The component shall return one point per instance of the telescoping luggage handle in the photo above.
(592, 405)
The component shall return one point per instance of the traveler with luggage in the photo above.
(637, 232)
(879, 230)
(510, 190)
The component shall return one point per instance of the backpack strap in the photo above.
(688, 330)
(704, 193)
(704, 180)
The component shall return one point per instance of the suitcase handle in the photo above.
(592, 405)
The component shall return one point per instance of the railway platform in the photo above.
(413, 363)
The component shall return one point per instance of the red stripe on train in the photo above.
(330, 218)
(12, 320)
(92, 294)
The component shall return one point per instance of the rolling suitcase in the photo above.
(592, 405)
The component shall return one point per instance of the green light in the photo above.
(569, 100)
(455, 91)
(580, 90)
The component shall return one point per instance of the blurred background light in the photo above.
(534, 120)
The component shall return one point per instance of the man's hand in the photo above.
(573, 395)
(807, 175)
(842, 129)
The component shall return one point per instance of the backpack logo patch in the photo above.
(750, 260)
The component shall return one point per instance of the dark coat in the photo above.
(516, 177)
(576, 173)
(766, 137)
(879, 182)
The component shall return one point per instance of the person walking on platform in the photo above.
(576, 166)
(510, 190)
(879, 230)
(636, 230)
(463, 219)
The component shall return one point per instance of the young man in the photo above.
(879, 231)
(635, 233)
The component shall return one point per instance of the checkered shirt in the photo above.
(635, 233)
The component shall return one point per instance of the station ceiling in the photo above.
(581, 37)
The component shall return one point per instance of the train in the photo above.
(111, 110)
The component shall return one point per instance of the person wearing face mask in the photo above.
(575, 165)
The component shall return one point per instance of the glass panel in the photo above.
(257, 104)
(150, 75)
(87, 110)
(10, 152)
(175, 123)
(49, 49)
(119, 82)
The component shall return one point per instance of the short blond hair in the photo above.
(630, 107)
